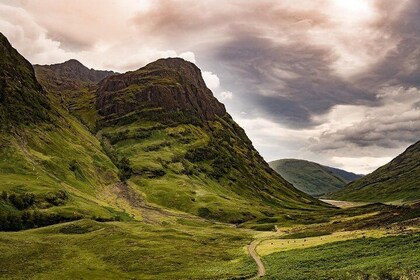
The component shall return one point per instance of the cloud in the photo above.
(224, 95)
(212, 81)
(189, 56)
(360, 165)
(395, 124)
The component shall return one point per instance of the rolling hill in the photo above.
(312, 178)
(399, 180)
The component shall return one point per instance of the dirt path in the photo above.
(343, 204)
(257, 259)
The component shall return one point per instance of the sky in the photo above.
(332, 81)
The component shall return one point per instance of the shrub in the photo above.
(201, 154)
(14, 221)
(73, 165)
(126, 171)
(57, 198)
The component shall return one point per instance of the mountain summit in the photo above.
(22, 99)
(172, 84)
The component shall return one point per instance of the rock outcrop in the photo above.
(171, 84)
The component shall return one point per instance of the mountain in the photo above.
(312, 178)
(73, 86)
(135, 146)
(346, 175)
(185, 151)
(52, 168)
(399, 180)
(22, 100)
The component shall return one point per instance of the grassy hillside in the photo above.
(52, 169)
(398, 180)
(310, 177)
(135, 176)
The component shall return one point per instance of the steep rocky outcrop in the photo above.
(171, 84)
(73, 86)
(22, 99)
(69, 75)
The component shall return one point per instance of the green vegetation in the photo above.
(310, 177)
(397, 181)
(133, 250)
(395, 257)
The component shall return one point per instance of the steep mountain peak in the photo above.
(171, 84)
(73, 63)
(74, 70)
(69, 75)
(22, 100)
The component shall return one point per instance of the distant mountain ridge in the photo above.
(73, 85)
(71, 72)
(311, 177)
(399, 180)
(346, 175)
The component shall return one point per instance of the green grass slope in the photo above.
(310, 177)
(399, 180)
(51, 167)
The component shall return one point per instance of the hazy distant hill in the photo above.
(397, 180)
(311, 177)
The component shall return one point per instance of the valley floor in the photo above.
(197, 249)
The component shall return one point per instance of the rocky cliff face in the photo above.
(22, 99)
(171, 84)
(69, 75)
(72, 85)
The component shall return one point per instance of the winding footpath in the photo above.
(257, 259)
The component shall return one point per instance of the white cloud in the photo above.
(189, 56)
(361, 165)
(226, 95)
(212, 81)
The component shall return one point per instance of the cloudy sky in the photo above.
(334, 81)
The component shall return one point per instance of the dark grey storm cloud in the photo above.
(292, 83)
(402, 65)
(287, 83)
